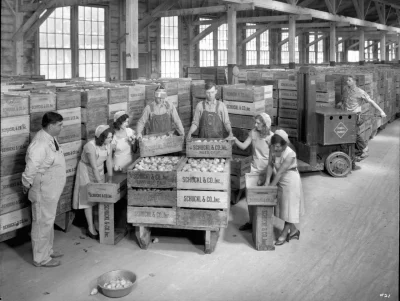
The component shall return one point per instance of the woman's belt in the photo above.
(293, 169)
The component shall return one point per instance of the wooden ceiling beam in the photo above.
(28, 7)
(254, 35)
(287, 8)
(360, 14)
(330, 6)
(37, 24)
(258, 19)
(150, 18)
(299, 25)
(317, 40)
(208, 30)
(203, 10)
(306, 3)
(380, 10)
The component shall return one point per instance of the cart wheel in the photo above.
(338, 164)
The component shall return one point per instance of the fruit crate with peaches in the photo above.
(160, 144)
(208, 148)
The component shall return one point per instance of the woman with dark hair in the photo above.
(290, 207)
(91, 169)
(122, 142)
(260, 140)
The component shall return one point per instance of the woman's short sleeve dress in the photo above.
(260, 147)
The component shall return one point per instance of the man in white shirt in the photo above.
(44, 180)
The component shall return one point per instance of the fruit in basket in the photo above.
(117, 284)
(204, 165)
(153, 138)
(162, 163)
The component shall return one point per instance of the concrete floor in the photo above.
(348, 250)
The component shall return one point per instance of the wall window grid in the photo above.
(264, 48)
(251, 47)
(222, 36)
(284, 47)
(169, 47)
(320, 50)
(368, 51)
(206, 47)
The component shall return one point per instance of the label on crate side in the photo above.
(203, 199)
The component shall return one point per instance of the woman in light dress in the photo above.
(282, 172)
(260, 140)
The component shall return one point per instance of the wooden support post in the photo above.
(211, 238)
(18, 68)
(192, 48)
(231, 41)
(332, 44)
(383, 48)
(109, 234)
(361, 47)
(292, 37)
(398, 48)
(132, 39)
(143, 235)
(263, 228)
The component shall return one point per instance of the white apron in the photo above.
(260, 148)
(85, 174)
(44, 195)
(123, 155)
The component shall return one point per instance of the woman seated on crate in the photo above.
(282, 172)
(91, 169)
(123, 143)
(260, 139)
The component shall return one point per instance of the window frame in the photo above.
(160, 50)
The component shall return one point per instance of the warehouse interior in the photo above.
(88, 59)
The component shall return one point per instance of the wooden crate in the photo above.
(10, 184)
(325, 96)
(95, 115)
(168, 145)
(69, 133)
(71, 116)
(184, 100)
(154, 179)
(287, 123)
(244, 94)
(42, 102)
(12, 164)
(287, 84)
(108, 192)
(152, 215)
(136, 93)
(242, 121)
(263, 231)
(287, 94)
(71, 166)
(325, 86)
(135, 111)
(203, 199)
(245, 108)
(288, 104)
(36, 122)
(240, 165)
(68, 99)
(118, 94)
(208, 148)
(115, 107)
(13, 201)
(64, 203)
(204, 180)
(202, 218)
(112, 222)
(173, 100)
(14, 105)
(288, 113)
(94, 97)
(153, 198)
(260, 195)
(17, 125)
(15, 220)
(237, 182)
(72, 149)
(14, 145)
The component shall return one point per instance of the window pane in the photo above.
(44, 56)
(43, 40)
(51, 40)
(67, 41)
(67, 56)
(59, 40)
(67, 71)
(95, 42)
(82, 71)
(89, 57)
(43, 71)
(60, 57)
(52, 71)
(50, 25)
(59, 25)
(60, 71)
(52, 56)
(96, 70)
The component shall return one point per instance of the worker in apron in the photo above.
(159, 117)
(211, 117)
(44, 180)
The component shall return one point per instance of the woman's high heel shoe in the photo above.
(296, 235)
(281, 242)
(92, 236)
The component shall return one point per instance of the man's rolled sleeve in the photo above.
(224, 114)
(143, 119)
(34, 159)
(197, 114)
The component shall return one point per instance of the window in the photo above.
(55, 58)
(353, 55)
(311, 49)
(223, 45)
(169, 47)
(296, 52)
(264, 48)
(206, 47)
(368, 51)
(379, 51)
(320, 49)
(284, 47)
(251, 47)
(339, 50)
(91, 41)
(392, 52)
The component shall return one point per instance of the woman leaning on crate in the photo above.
(260, 140)
(123, 142)
(290, 206)
(91, 169)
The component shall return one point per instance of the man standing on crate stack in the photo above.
(44, 178)
(352, 100)
(211, 116)
(159, 116)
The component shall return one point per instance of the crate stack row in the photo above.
(14, 205)
(216, 74)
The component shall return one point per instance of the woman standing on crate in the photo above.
(91, 169)
(123, 142)
(290, 206)
(260, 140)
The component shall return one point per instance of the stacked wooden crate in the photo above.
(171, 87)
(117, 101)
(287, 106)
(94, 102)
(136, 103)
(15, 128)
(184, 103)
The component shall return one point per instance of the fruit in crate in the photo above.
(204, 165)
(157, 163)
(151, 189)
(205, 141)
(151, 138)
